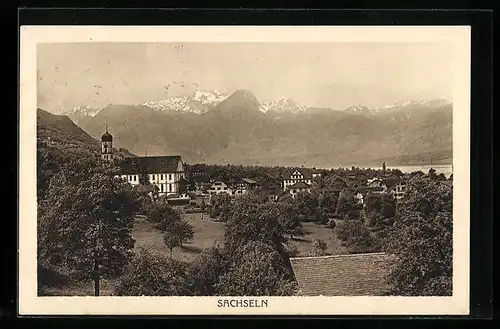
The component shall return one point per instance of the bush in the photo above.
(291, 249)
(355, 236)
(256, 270)
(205, 271)
(320, 247)
(152, 275)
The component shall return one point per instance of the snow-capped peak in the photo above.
(283, 105)
(356, 108)
(81, 111)
(360, 109)
(199, 102)
(410, 103)
(209, 97)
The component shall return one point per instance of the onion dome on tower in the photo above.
(107, 137)
(107, 145)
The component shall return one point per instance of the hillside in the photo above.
(239, 130)
(59, 131)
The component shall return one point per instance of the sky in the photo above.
(329, 75)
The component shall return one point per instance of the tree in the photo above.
(152, 275)
(432, 173)
(355, 236)
(163, 216)
(253, 221)
(220, 206)
(171, 241)
(204, 273)
(203, 205)
(421, 240)
(86, 225)
(320, 247)
(379, 212)
(182, 230)
(177, 230)
(289, 216)
(306, 205)
(256, 270)
(183, 184)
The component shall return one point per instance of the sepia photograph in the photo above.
(245, 172)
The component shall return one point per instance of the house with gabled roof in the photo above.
(296, 175)
(343, 275)
(166, 173)
(299, 187)
(243, 185)
(219, 186)
(393, 185)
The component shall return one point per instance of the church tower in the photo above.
(107, 146)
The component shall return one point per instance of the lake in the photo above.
(447, 170)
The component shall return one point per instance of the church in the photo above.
(164, 172)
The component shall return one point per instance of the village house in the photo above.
(271, 188)
(243, 185)
(167, 173)
(219, 186)
(274, 194)
(376, 185)
(298, 175)
(395, 186)
(315, 173)
(299, 187)
(338, 184)
(398, 190)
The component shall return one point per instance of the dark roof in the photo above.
(390, 182)
(451, 177)
(151, 165)
(299, 185)
(304, 171)
(106, 137)
(342, 275)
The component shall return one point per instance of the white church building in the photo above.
(164, 172)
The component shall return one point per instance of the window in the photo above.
(293, 191)
(161, 177)
(169, 176)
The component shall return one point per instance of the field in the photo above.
(207, 233)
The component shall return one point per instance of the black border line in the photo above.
(481, 112)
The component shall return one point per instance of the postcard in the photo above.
(244, 170)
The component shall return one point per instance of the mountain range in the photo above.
(217, 128)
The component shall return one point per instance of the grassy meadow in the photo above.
(207, 233)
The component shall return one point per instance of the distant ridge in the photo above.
(239, 130)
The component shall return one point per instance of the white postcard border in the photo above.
(30, 304)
